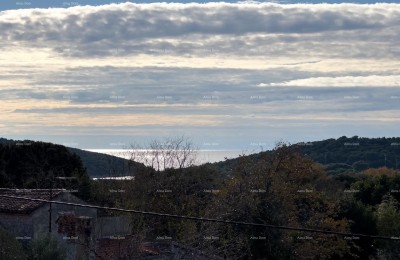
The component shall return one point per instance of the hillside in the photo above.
(343, 155)
(96, 164)
(354, 154)
(38, 165)
(104, 165)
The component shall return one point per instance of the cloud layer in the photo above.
(216, 70)
(192, 29)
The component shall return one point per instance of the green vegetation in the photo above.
(37, 165)
(372, 206)
(349, 155)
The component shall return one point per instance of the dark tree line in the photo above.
(354, 154)
(38, 165)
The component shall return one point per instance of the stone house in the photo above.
(84, 232)
(28, 220)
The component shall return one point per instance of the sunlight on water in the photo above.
(202, 156)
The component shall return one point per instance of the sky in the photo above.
(239, 75)
(22, 4)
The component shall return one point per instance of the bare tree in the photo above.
(176, 152)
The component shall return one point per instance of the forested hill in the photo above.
(104, 165)
(354, 154)
(6, 141)
(96, 164)
(344, 155)
(39, 165)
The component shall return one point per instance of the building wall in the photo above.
(41, 215)
(31, 226)
(41, 223)
(19, 225)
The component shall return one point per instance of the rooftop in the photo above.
(19, 206)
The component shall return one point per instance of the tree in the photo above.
(374, 184)
(388, 221)
(362, 220)
(175, 191)
(372, 209)
(35, 165)
(279, 189)
(177, 152)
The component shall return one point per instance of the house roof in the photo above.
(20, 206)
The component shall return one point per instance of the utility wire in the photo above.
(209, 219)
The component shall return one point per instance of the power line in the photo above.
(207, 219)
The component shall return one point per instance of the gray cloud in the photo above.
(189, 91)
(267, 29)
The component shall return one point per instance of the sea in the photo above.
(202, 156)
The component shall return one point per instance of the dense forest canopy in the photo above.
(38, 165)
(354, 154)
